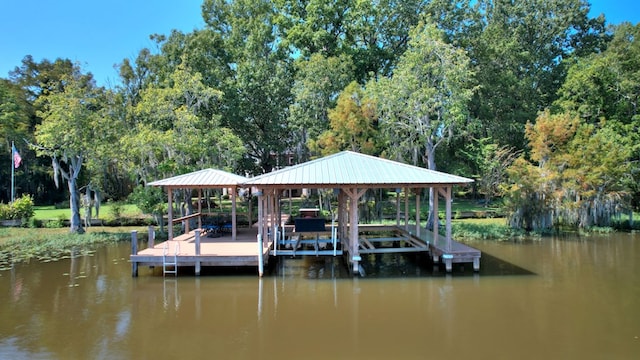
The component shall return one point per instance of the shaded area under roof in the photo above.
(206, 178)
(354, 169)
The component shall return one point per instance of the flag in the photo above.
(17, 159)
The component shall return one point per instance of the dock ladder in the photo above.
(166, 260)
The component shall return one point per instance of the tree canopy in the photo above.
(536, 99)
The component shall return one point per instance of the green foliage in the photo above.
(491, 162)
(318, 81)
(473, 230)
(575, 176)
(14, 123)
(149, 199)
(266, 78)
(116, 208)
(20, 209)
(53, 223)
(516, 47)
(353, 124)
(422, 103)
(605, 85)
(176, 131)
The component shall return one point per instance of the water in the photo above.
(563, 298)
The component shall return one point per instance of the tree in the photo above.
(30, 81)
(318, 82)
(492, 162)
(258, 92)
(425, 99)
(14, 126)
(14, 120)
(371, 33)
(150, 200)
(574, 176)
(71, 118)
(606, 85)
(518, 57)
(175, 132)
(353, 124)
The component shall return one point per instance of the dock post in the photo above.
(152, 237)
(197, 232)
(448, 260)
(260, 258)
(134, 251)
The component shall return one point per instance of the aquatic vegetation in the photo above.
(48, 246)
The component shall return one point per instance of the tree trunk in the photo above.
(431, 165)
(74, 204)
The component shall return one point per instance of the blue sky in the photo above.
(100, 34)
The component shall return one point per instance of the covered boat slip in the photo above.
(350, 175)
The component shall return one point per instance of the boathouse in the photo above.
(349, 175)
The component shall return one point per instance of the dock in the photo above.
(408, 242)
(215, 249)
(208, 250)
(458, 253)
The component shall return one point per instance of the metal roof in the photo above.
(207, 178)
(350, 168)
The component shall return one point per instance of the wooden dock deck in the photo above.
(223, 251)
(214, 251)
(437, 247)
(459, 253)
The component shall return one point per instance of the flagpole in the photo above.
(13, 170)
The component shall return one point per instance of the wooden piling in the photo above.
(152, 236)
(134, 251)
(260, 256)
(197, 232)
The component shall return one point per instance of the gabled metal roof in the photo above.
(207, 178)
(349, 168)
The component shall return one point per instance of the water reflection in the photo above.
(557, 298)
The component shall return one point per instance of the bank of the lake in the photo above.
(19, 245)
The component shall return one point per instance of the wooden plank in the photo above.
(366, 242)
(287, 252)
(186, 217)
(393, 250)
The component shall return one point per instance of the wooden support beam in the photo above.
(448, 217)
(197, 265)
(134, 251)
(199, 208)
(234, 221)
(152, 236)
(354, 249)
(435, 192)
(367, 243)
(418, 192)
(398, 207)
(170, 215)
(406, 207)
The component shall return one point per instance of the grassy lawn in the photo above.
(106, 212)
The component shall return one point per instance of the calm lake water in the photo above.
(561, 298)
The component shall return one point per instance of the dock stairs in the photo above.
(170, 262)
